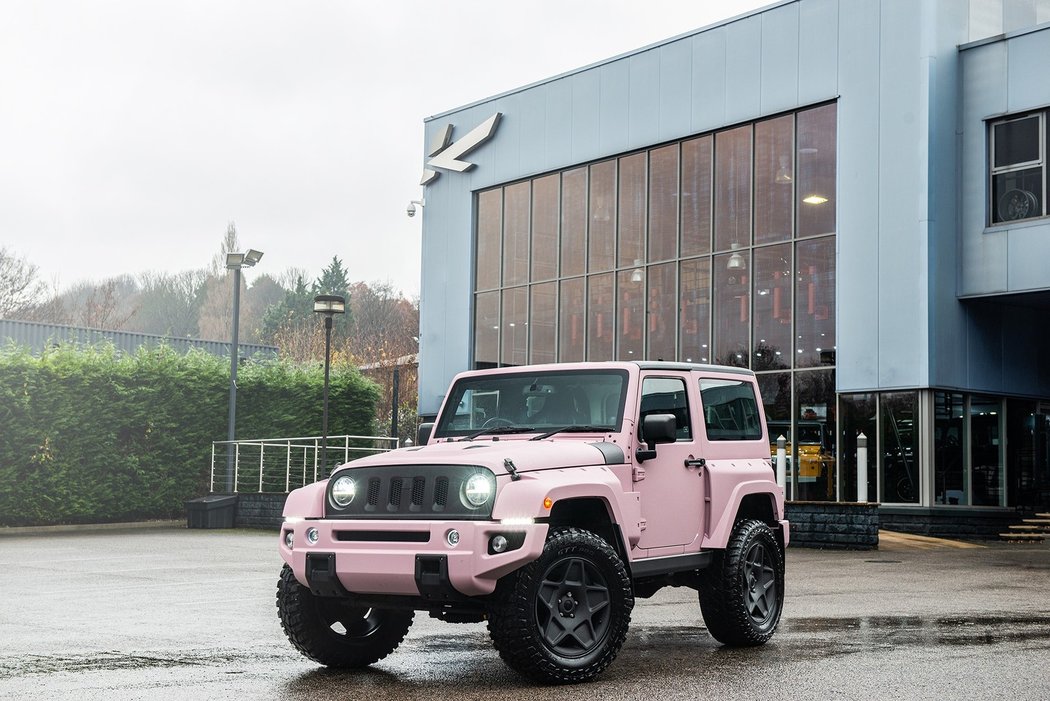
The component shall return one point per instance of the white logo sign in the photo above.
(446, 155)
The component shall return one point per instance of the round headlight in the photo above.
(477, 491)
(343, 491)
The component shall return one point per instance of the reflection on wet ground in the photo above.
(798, 637)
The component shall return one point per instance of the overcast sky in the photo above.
(132, 131)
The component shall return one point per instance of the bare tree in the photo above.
(20, 290)
(230, 244)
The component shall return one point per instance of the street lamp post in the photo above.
(329, 305)
(234, 262)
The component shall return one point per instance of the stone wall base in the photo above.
(841, 525)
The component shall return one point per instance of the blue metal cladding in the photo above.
(36, 337)
(906, 130)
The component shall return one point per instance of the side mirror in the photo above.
(423, 435)
(656, 428)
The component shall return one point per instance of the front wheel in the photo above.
(563, 617)
(334, 632)
(742, 592)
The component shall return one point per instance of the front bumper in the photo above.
(405, 558)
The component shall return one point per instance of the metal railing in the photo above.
(284, 464)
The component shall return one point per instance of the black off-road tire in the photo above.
(334, 632)
(562, 618)
(742, 592)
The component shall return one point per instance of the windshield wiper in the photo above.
(497, 430)
(574, 428)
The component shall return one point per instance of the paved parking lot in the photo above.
(177, 614)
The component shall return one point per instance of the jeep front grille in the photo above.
(408, 492)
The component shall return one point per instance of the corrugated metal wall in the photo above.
(37, 337)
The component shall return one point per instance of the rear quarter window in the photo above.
(730, 409)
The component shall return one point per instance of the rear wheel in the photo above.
(333, 631)
(742, 592)
(563, 618)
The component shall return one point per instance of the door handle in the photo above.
(695, 462)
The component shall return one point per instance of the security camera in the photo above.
(411, 211)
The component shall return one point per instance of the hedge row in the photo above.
(91, 435)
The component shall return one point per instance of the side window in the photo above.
(666, 395)
(730, 410)
(1018, 168)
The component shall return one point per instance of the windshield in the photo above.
(535, 401)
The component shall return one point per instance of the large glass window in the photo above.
(774, 179)
(733, 188)
(600, 322)
(663, 203)
(516, 234)
(630, 313)
(858, 418)
(661, 311)
(696, 196)
(601, 240)
(632, 189)
(695, 303)
(1018, 168)
(543, 310)
(490, 230)
(545, 215)
(899, 448)
(772, 300)
(949, 472)
(572, 320)
(732, 310)
(813, 437)
(486, 330)
(719, 248)
(816, 171)
(815, 303)
(574, 222)
(514, 327)
(986, 451)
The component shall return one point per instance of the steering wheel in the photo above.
(497, 421)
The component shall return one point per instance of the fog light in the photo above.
(289, 538)
(311, 536)
(498, 543)
(452, 537)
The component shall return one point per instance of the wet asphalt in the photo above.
(179, 614)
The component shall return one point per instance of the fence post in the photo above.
(288, 467)
(862, 467)
(262, 452)
(211, 483)
(782, 463)
(315, 460)
(236, 464)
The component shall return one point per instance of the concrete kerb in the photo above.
(90, 527)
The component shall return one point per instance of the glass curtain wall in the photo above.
(719, 248)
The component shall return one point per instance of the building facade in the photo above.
(848, 197)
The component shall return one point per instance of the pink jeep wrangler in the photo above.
(544, 500)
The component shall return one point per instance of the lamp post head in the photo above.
(235, 261)
(329, 304)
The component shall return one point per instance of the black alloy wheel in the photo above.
(760, 581)
(572, 607)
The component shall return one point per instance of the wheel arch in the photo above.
(593, 514)
(753, 500)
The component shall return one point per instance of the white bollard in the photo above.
(782, 463)
(862, 467)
